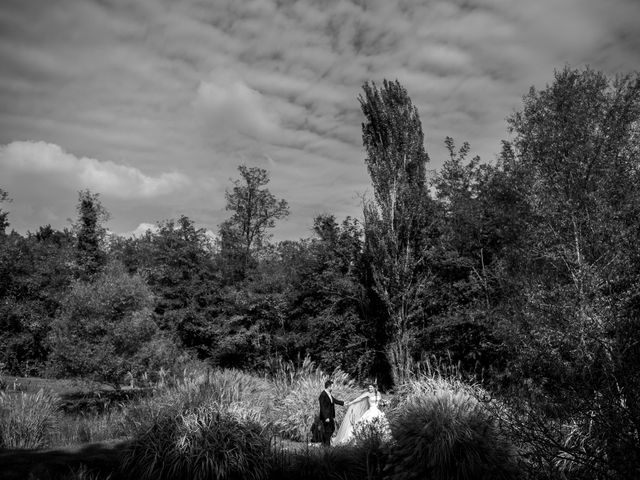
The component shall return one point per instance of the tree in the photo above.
(575, 154)
(255, 211)
(90, 233)
(103, 326)
(475, 217)
(326, 300)
(4, 223)
(177, 263)
(397, 218)
(35, 272)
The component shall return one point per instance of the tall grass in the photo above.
(298, 390)
(27, 420)
(206, 442)
(75, 429)
(442, 431)
(243, 395)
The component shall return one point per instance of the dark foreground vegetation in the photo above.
(521, 274)
(229, 424)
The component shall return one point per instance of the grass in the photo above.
(229, 424)
(206, 442)
(27, 420)
(297, 397)
(54, 386)
(449, 435)
(80, 428)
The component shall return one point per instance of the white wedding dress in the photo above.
(362, 410)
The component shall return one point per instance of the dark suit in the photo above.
(328, 412)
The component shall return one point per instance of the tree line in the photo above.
(523, 272)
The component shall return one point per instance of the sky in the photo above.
(154, 104)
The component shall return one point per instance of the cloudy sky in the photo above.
(154, 103)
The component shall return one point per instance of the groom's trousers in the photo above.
(329, 428)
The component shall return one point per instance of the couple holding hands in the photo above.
(363, 409)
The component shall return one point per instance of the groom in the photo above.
(328, 412)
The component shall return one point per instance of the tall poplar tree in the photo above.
(397, 216)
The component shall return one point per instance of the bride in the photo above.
(361, 410)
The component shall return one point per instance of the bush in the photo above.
(443, 433)
(571, 447)
(376, 431)
(207, 442)
(27, 419)
(243, 395)
(103, 328)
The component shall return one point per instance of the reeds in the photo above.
(27, 420)
(74, 429)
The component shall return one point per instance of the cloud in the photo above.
(191, 90)
(141, 230)
(231, 105)
(46, 160)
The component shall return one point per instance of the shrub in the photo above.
(571, 447)
(243, 395)
(376, 431)
(109, 320)
(27, 419)
(207, 442)
(444, 433)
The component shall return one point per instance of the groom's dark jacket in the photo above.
(327, 407)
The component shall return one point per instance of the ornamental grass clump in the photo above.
(295, 412)
(27, 420)
(446, 434)
(247, 395)
(232, 386)
(204, 443)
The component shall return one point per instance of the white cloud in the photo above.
(144, 227)
(47, 160)
(269, 78)
(230, 104)
(141, 230)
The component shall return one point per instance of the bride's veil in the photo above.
(353, 414)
